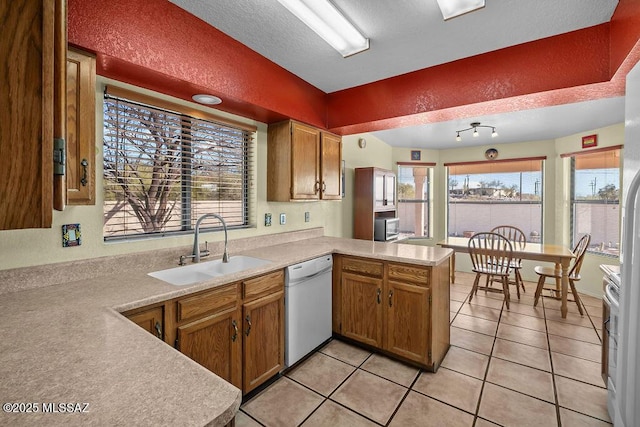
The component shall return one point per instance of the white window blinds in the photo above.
(164, 169)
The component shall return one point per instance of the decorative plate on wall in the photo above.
(491, 154)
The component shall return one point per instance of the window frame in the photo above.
(428, 202)
(573, 202)
(191, 119)
(480, 166)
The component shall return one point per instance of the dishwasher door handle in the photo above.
(305, 278)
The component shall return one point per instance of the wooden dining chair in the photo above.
(491, 255)
(518, 240)
(555, 273)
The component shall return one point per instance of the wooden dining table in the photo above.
(557, 254)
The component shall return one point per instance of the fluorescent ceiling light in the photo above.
(323, 18)
(452, 8)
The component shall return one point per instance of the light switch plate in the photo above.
(307, 217)
(267, 220)
(283, 219)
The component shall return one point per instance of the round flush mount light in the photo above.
(204, 98)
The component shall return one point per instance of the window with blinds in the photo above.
(163, 169)
(484, 195)
(595, 199)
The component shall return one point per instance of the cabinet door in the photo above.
(407, 316)
(390, 190)
(305, 162)
(362, 308)
(150, 320)
(214, 342)
(27, 52)
(81, 82)
(331, 166)
(263, 328)
(378, 191)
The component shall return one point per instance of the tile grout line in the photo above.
(553, 374)
(395, 411)
(486, 372)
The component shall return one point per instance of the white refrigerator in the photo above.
(626, 404)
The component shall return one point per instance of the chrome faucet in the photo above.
(196, 245)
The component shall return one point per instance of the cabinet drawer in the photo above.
(360, 266)
(263, 285)
(408, 273)
(217, 299)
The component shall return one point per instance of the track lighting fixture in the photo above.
(474, 127)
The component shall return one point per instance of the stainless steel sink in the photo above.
(200, 272)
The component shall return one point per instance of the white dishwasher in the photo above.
(307, 307)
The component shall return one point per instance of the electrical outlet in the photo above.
(283, 219)
(307, 217)
(267, 220)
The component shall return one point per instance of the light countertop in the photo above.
(68, 343)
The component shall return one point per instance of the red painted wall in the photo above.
(573, 59)
(625, 31)
(156, 45)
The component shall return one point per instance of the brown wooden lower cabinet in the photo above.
(362, 308)
(149, 319)
(408, 315)
(240, 340)
(263, 340)
(215, 343)
(400, 309)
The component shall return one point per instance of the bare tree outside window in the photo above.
(142, 158)
(164, 169)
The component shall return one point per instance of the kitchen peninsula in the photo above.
(68, 343)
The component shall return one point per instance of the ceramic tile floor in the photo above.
(526, 366)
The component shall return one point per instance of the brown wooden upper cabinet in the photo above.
(33, 33)
(81, 85)
(304, 163)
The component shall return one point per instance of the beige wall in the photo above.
(21, 248)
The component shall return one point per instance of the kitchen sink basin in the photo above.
(194, 273)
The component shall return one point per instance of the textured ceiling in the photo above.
(408, 35)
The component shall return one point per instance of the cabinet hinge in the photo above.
(58, 156)
(429, 354)
(175, 345)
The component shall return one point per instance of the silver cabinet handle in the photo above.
(158, 328)
(390, 298)
(379, 291)
(84, 165)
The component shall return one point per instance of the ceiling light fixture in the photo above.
(327, 21)
(204, 98)
(475, 126)
(452, 8)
